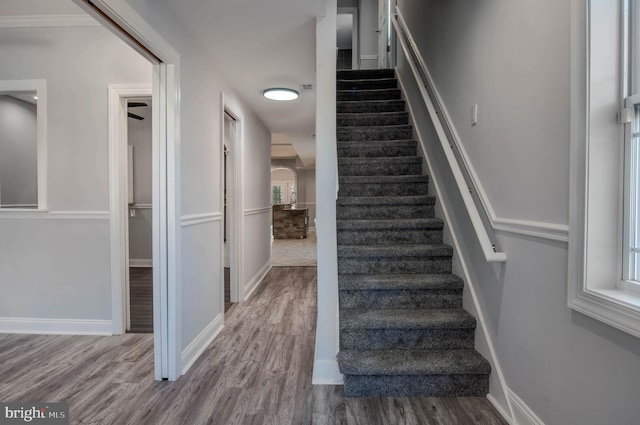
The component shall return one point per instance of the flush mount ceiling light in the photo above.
(280, 94)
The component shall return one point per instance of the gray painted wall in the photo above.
(60, 269)
(201, 164)
(512, 58)
(18, 153)
(140, 226)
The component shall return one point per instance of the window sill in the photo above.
(618, 308)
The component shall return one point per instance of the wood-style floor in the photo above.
(258, 371)
(141, 299)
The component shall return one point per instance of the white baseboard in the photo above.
(24, 325)
(503, 412)
(253, 284)
(326, 372)
(522, 414)
(201, 342)
(140, 263)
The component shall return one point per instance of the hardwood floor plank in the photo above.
(257, 371)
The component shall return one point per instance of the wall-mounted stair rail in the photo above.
(448, 140)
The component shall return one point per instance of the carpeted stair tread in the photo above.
(412, 362)
(384, 179)
(364, 74)
(366, 106)
(361, 120)
(377, 251)
(374, 143)
(398, 318)
(368, 94)
(380, 160)
(383, 132)
(366, 83)
(394, 282)
(414, 224)
(387, 200)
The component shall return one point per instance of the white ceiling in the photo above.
(260, 44)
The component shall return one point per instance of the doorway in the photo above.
(140, 216)
(347, 38)
(231, 217)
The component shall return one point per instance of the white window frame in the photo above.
(596, 181)
(40, 88)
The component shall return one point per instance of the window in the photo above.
(604, 249)
(23, 145)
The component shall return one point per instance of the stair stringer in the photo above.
(483, 340)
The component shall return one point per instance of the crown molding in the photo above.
(32, 21)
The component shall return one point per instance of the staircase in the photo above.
(403, 331)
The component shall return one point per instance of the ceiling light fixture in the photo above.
(280, 94)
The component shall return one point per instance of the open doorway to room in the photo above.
(230, 279)
(140, 216)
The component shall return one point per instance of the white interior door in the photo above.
(383, 34)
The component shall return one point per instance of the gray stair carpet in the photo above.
(403, 331)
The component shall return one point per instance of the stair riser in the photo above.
(383, 83)
(400, 118)
(370, 107)
(388, 150)
(402, 298)
(377, 169)
(406, 339)
(386, 94)
(382, 212)
(384, 189)
(393, 265)
(367, 134)
(416, 386)
(386, 237)
(365, 73)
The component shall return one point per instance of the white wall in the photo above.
(18, 153)
(512, 59)
(140, 226)
(201, 88)
(56, 265)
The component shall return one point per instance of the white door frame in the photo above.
(355, 39)
(119, 94)
(120, 18)
(236, 213)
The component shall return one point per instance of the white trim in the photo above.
(30, 21)
(522, 414)
(536, 229)
(256, 280)
(542, 230)
(141, 206)
(121, 19)
(194, 219)
(140, 263)
(235, 203)
(256, 211)
(327, 372)
(614, 307)
(201, 342)
(457, 250)
(505, 415)
(55, 215)
(19, 206)
(369, 57)
(24, 325)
